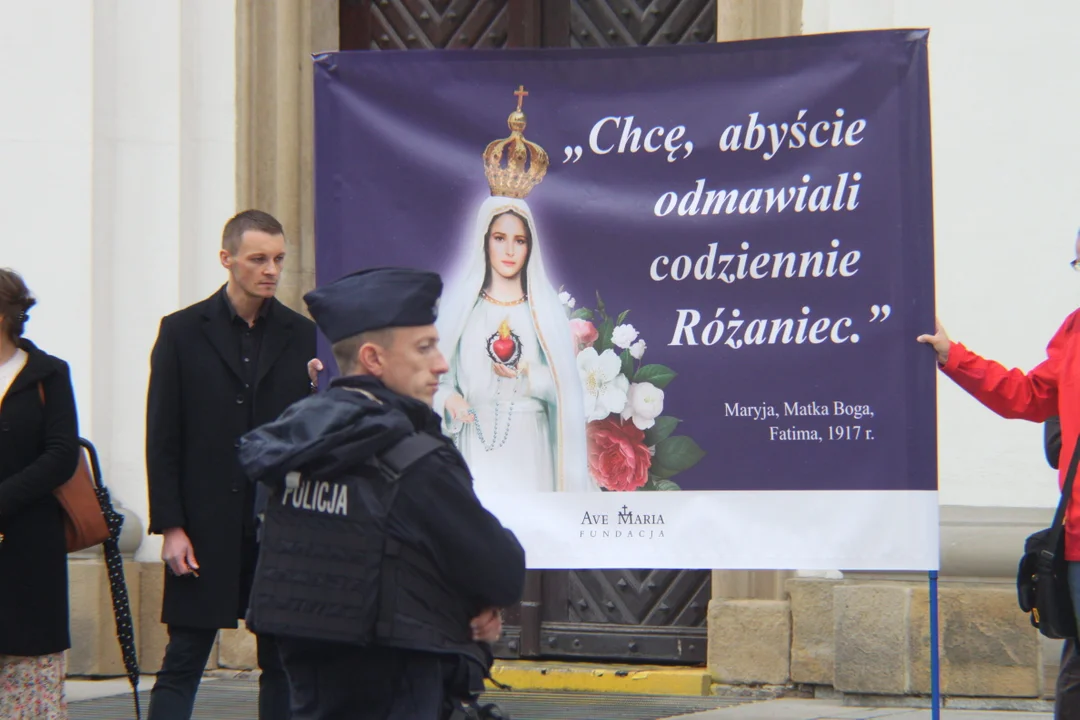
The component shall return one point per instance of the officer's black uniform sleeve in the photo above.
(1052, 440)
(478, 556)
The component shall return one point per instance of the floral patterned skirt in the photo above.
(32, 688)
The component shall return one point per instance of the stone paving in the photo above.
(832, 710)
(234, 699)
(223, 699)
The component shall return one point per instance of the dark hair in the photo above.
(528, 249)
(248, 220)
(15, 301)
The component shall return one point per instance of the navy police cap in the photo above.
(375, 299)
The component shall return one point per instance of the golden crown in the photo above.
(526, 162)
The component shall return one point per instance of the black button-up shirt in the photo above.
(249, 344)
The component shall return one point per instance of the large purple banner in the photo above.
(691, 273)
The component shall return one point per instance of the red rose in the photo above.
(618, 458)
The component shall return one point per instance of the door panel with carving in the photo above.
(423, 24)
(405, 24)
(645, 615)
(617, 23)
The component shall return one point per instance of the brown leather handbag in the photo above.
(84, 519)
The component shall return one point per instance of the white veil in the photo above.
(552, 329)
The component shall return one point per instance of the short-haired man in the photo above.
(381, 573)
(219, 368)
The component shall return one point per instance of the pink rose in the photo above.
(618, 458)
(585, 334)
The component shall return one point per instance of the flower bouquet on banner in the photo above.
(631, 445)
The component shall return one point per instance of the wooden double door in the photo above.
(649, 616)
(418, 24)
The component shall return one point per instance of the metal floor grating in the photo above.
(236, 700)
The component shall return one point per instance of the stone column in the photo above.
(274, 153)
(750, 19)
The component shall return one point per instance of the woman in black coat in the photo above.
(39, 447)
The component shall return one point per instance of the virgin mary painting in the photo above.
(512, 400)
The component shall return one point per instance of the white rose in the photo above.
(571, 303)
(565, 299)
(644, 402)
(605, 385)
(637, 349)
(624, 336)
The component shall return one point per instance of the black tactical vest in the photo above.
(327, 569)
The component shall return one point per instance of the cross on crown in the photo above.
(514, 165)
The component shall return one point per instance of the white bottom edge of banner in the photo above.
(882, 530)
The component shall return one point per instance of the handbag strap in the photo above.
(1066, 491)
(41, 392)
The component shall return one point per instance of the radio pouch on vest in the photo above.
(1042, 580)
(322, 547)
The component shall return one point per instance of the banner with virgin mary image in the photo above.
(682, 287)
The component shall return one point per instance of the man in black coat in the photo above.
(218, 369)
(384, 589)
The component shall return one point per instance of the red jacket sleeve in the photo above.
(1012, 393)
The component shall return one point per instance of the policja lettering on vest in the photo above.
(378, 561)
(324, 497)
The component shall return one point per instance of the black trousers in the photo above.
(1067, 692)
(173, 696)
(340, 682)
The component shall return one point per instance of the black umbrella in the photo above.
(114, 562)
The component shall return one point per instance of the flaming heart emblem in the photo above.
(504, 346)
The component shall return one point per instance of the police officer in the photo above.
(380, 572)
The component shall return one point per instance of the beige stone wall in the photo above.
(95, 651)
(751, 19)
(859, 636)
(872, 637)
(749, 641)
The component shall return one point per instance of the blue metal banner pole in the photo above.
(935, 660)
